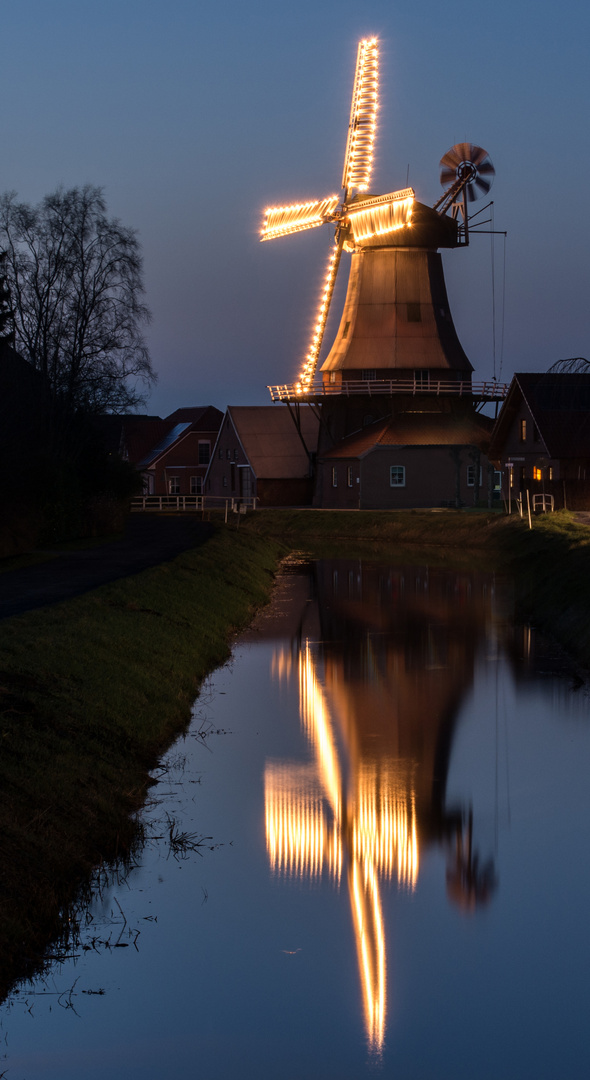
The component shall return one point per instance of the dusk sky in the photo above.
(195, 116)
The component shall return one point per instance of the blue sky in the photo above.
(194, 116)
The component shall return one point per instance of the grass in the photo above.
(92, 691)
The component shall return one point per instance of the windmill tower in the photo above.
(396, 341)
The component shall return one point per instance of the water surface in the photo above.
(395, 787)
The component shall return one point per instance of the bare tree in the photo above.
(75, 281)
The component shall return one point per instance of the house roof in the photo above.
(202, 417)
(270, 440)
(560, 406)
(417, 429)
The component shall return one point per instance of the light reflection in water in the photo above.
(310, 819)
(381, 670)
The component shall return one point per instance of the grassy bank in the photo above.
(91, 692)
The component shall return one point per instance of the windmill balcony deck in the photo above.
(477, 392)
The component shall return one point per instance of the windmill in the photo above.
(366, 222)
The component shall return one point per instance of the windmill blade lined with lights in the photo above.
(356, 220)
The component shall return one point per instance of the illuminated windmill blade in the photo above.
(311, 360)
(381, 214)
(282, 220)
(467, 167)
(362, 129)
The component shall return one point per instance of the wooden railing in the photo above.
(161, 503)
(480, 391)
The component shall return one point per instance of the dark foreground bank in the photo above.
(94, 689)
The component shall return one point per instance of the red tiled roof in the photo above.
(270, 439)
(417, 429)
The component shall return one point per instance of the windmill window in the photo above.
(346, 329)
(332, 376)
(397, 476)
(422, 377)
(523, 430)
(414, 313)
(369, 374)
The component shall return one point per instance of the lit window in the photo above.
(551, 472)
(397, 476)
(196, 485)
(537, 473)
(523, 430)
(174, 485)
(349, 475)
(332, 376)
(334, 476)
(204, 452)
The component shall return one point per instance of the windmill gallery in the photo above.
(393, 417)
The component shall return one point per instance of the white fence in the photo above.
(162, 503)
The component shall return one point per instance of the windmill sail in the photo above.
(381, 215)
(282, 220)
(358, 159)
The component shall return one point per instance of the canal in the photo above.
(368, 857)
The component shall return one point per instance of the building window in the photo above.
(224, 481)
(397, 476)
(414, 313)
(233, 476)
(174, 485)
(551, 472)
(537, 473)
(497, 480)
(196, 485)
(523, 430)
(220, 454)
(332, 376)
(204, 452)
(228, 454)
(369, 374)
(471, 475)
(235, 455)
(334, 476)
(349, 475)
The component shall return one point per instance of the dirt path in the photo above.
(149, 540)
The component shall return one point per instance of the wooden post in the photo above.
(528, 502)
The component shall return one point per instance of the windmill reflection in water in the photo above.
(379, 695)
